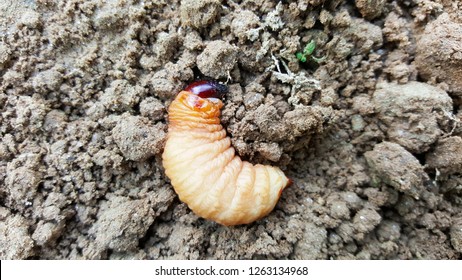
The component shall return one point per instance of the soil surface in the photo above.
(368, 126)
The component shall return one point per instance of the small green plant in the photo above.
(307, 53)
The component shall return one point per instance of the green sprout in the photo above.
(307, 53)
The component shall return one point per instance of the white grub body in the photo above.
(205, 172)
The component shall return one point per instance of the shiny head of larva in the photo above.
(204, 96)
(207, 89)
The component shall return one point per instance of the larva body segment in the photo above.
(204, 170)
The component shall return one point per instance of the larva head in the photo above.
(207, 89)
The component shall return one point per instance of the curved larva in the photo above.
(205, 172)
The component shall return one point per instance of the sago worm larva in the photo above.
(203, 168)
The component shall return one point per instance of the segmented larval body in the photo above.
(206, 173)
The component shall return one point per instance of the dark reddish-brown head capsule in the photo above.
(207, 88)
